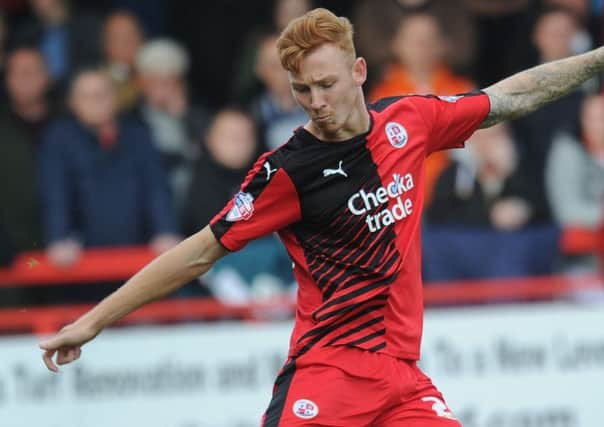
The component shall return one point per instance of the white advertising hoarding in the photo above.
(501, 366)
(522, 366)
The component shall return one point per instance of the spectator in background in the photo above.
(67, 42)
(232, 146)
(481, 223)
(419, 68)
(553, 36)
(377, 21)
(503, 28)
(176, 126)
(575, 178)
(484, 187)
(29, 107)
(286, 10)
(151, 13)
(122, 38)
(275, 109)
(419, 64)
(102, 181)
(587, 13)
(459, 32)
(22, 119)
(245, 82)
(3, 34)
(558, 33)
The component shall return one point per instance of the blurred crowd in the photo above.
(134, 122)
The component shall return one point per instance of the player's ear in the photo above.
(359, 71)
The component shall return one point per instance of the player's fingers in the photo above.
(66, 355)
(61, 353)
(52, 343)
(78, 353)
(47, 358)
(72, 354)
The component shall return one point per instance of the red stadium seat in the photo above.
(580, 240)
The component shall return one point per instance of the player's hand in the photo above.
(66, 344)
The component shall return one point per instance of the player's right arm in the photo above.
(189, 259)
(529, 90)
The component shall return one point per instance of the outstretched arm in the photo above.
(529, 90)
(176, 267)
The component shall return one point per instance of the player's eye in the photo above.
(301, 89)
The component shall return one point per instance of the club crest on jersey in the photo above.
(397, 134)
(243, 207)
(305, 409)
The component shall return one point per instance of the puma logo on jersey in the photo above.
(338, 171)
(269, 171)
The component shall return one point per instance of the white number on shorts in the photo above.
(439, 407)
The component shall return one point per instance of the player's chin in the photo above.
(328, 125)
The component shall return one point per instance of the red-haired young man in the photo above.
(345, 195)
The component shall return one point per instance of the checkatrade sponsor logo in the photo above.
(375, 204)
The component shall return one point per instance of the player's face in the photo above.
(328, 87)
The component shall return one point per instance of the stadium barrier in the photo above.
(501, 365)
(580, 240)
(34, 269)
(504, 365)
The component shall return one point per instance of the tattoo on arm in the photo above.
(529, 90)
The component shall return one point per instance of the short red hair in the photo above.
(313, 29)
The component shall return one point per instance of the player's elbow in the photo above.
(205, 251)
(200, 264)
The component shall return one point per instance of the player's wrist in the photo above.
(90, 324)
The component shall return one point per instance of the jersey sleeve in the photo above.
(452, 119)
(266, 202)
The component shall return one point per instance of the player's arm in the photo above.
(176, 267)
(528, 90)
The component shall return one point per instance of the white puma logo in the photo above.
(269, 171)
(339, 170)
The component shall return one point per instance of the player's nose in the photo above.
(317, 101)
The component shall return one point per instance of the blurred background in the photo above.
(126, 125)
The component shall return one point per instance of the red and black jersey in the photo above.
(349, 214)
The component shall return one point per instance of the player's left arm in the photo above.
(529, 90)
(189, 259)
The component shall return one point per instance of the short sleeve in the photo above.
(452, 119)
(266, 202)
